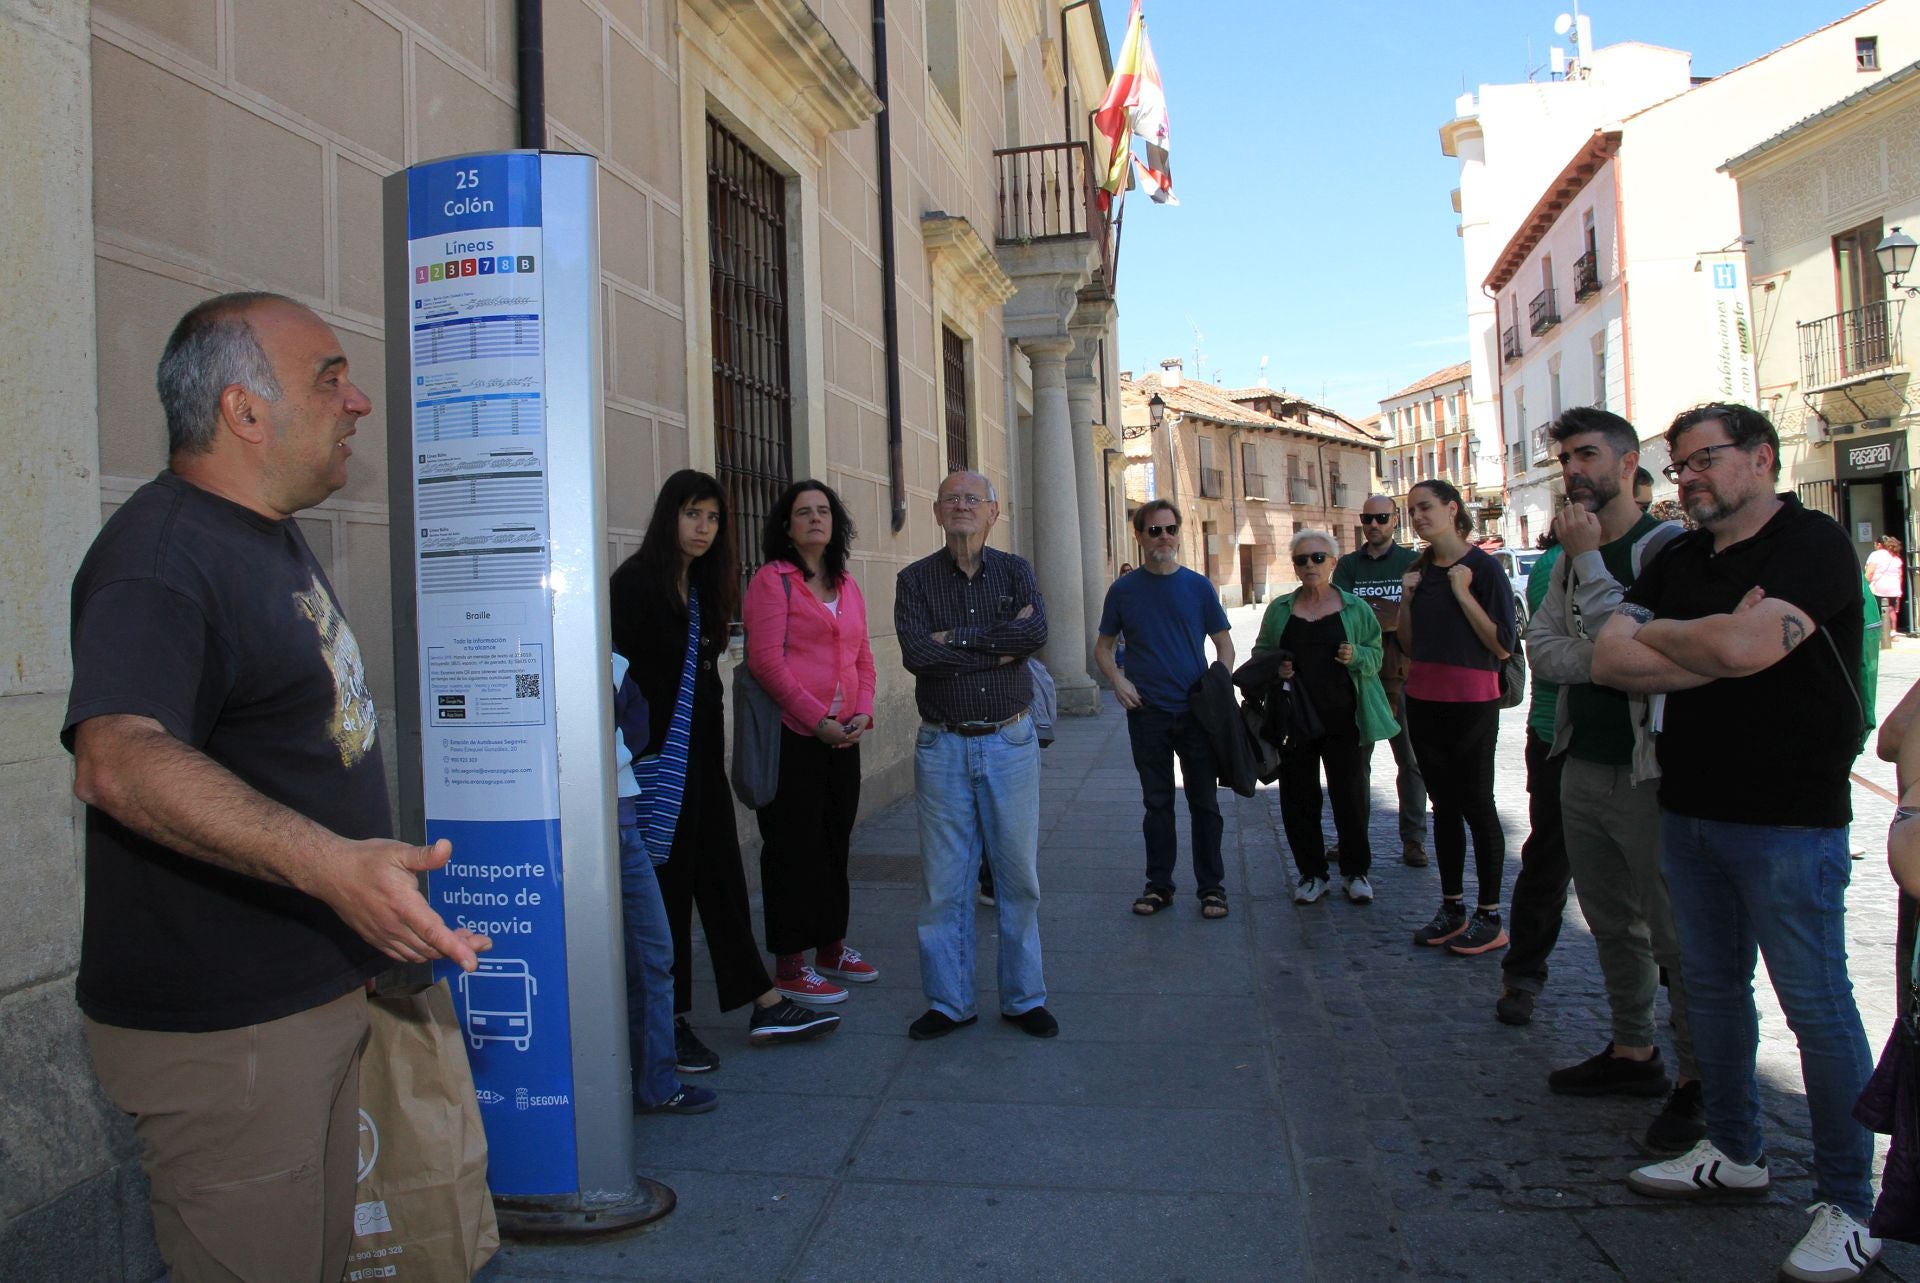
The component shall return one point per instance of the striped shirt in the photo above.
(962, 679)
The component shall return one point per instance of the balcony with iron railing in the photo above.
(1851, 346)
(1299, 490)
(1253, 485)
(1213, 483)
(1047, 193)
(1586, 276)
(1543, 313)
(1339, 494)
(1510, 343)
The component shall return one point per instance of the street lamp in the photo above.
(1157, 405)
(1895, 255)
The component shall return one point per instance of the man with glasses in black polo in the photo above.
(1168, 614)
(1372, 572)
(1751, 628)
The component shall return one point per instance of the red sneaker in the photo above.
(850, 966)
(809, 987)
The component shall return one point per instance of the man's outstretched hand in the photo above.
(374, 886)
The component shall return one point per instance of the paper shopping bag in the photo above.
(423, 1213)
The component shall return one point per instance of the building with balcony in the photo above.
(1834, 337)
(1427, 430)
(1618, 258)
(1625, 285)
(1246, 467)
(804, 271)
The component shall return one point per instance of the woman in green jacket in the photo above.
(1334, 640)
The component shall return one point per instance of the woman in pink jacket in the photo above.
(807, 644)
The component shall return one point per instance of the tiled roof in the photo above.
(1219, 405)
(1451, 374)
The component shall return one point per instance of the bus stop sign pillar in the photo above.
(503, 680)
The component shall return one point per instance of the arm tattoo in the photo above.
(1638, 614)
(1792, 633)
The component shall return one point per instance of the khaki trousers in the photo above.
(250, 1138)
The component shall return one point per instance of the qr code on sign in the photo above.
(526, 686)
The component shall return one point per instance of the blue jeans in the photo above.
(648, 945)
(1736, 888)
(979, 791)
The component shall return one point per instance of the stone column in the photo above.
(1089, 489)
(1056, 527)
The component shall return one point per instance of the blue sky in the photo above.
(1315, 225)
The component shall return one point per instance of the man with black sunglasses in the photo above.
(1751, 628)
(1168, 614)
(1372, 572)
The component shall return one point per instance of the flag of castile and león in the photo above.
(1135, 104)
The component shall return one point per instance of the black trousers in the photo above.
(704, 870)
(1540, 891)
(1158, 737)
(1455, 744)
(804, 834)
(1346, 762)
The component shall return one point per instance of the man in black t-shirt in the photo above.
(1751, 628)
(1372, 572)
(242, 883)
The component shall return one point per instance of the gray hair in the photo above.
(211, 349)
(1307, 534)
(993, 495)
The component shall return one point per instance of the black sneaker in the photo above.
(1609, 1075)
(1514, 1007)
(935, 1024)
(1037, 1021)
(1682, 1124)
(1449, 922)
(688, 1100)
(788, 1021)
(690, 1055)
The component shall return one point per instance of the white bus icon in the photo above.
(499, 997)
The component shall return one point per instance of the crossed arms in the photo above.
(1636, 652)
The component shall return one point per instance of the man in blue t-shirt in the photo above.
(1168, 613)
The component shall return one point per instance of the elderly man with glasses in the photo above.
(1372, 572)
(1751, 627)
(1168, 614)
(967, 617)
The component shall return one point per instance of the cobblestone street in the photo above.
(1289, 1093)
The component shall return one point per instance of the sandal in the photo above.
(1213, 905)
(1151, 902)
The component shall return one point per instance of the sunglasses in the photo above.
(1302, 558)
(1154, 532)
(1375, 518)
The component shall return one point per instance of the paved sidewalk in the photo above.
(1289, 1093)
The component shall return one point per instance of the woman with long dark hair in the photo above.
(807, 645)
(1457, 625)
(672, 602)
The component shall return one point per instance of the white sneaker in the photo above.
(1359, 890)
(1836, 1248)
(1701, 1170)
(1309, 890)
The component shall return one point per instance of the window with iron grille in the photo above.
(747, 279)
(953, 358)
